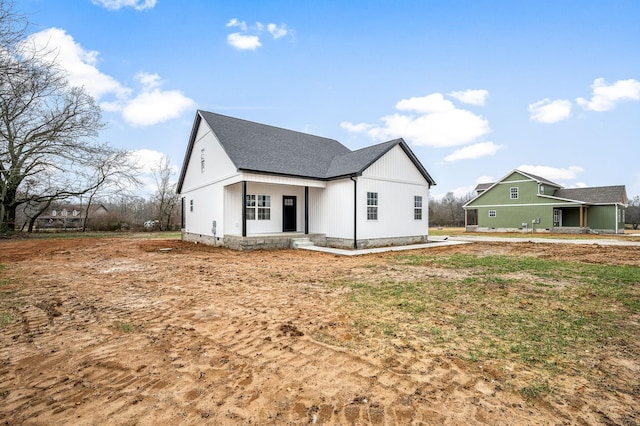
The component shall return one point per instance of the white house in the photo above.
(248, 185)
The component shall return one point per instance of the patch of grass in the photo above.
(535, 390)
(126, 327)
(535, 311)
(6, 318)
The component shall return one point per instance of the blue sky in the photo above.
(477, 88)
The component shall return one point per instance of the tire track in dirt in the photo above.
(131, 335)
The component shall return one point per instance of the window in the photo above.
(514, 192)
(202, 160)
(372, 206)
(264, 207)
(261, 203)
(53, 213)
(492, 213)
(190, 205)
(64, 212)
(75, 212)
(417, 207)
(250, 207)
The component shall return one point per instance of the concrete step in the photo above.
(301, 242)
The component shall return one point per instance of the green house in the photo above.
(521, 202)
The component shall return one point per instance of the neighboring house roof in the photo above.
(537, 178)
(261, 148)
(483, 186)
(594, 195)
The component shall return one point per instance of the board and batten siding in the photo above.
(203, 188)
(397, 181)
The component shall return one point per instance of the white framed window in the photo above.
(64, 212)
(264, 207)
(75, 212)
(514, 193)
(54, 213)
(372, 206)
(417, 207)
(258, 207)
(492, 213)
(190, 205)
(202, 160)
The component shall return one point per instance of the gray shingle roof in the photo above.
(267, 149)
(259, 147)
(595, 195)
(539, 179)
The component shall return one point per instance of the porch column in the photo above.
(306, 209)
(244, 208)
(465, 219)
(581, 219)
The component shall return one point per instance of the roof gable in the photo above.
(262, 148)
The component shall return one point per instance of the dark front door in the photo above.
(288, 213)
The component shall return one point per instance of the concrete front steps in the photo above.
(297, 243)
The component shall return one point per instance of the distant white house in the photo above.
(248, 185)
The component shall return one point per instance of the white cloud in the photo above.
(470, 152)
(356, 128)
(248, 38)
(433, 103)
(80, 64)
(471, 96)
(150, 106)
(277, 31)
(552, 173)
(243, 42)
(438, 123)
(605, 96)
(548, 111)
(235, 23)
(118, 4)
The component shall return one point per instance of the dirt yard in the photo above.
(161, 332)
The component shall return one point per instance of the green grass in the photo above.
(535, 311)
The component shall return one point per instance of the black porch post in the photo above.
(306, 209)
(244, 208)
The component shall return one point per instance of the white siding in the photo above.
(233, 208)
(396, 180)
(205, 188)
(337, 209)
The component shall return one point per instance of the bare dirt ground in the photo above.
(161, 332)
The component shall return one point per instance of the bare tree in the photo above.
(110, 172)
(47, 128)
(166, 199)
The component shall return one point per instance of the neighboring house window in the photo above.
(258, 207)
(264, 207)
(190, 205)
(372, 206)
(492, 213)
(74, 212)
(64, 212)
(417, 207)
(202, 160)
(514, 192)
(53, 212)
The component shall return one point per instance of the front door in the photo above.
(289, 213)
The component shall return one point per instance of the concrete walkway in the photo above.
(466, 239)
(604, 241)
(344, 252)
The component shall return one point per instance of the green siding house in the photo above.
(521, 201)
